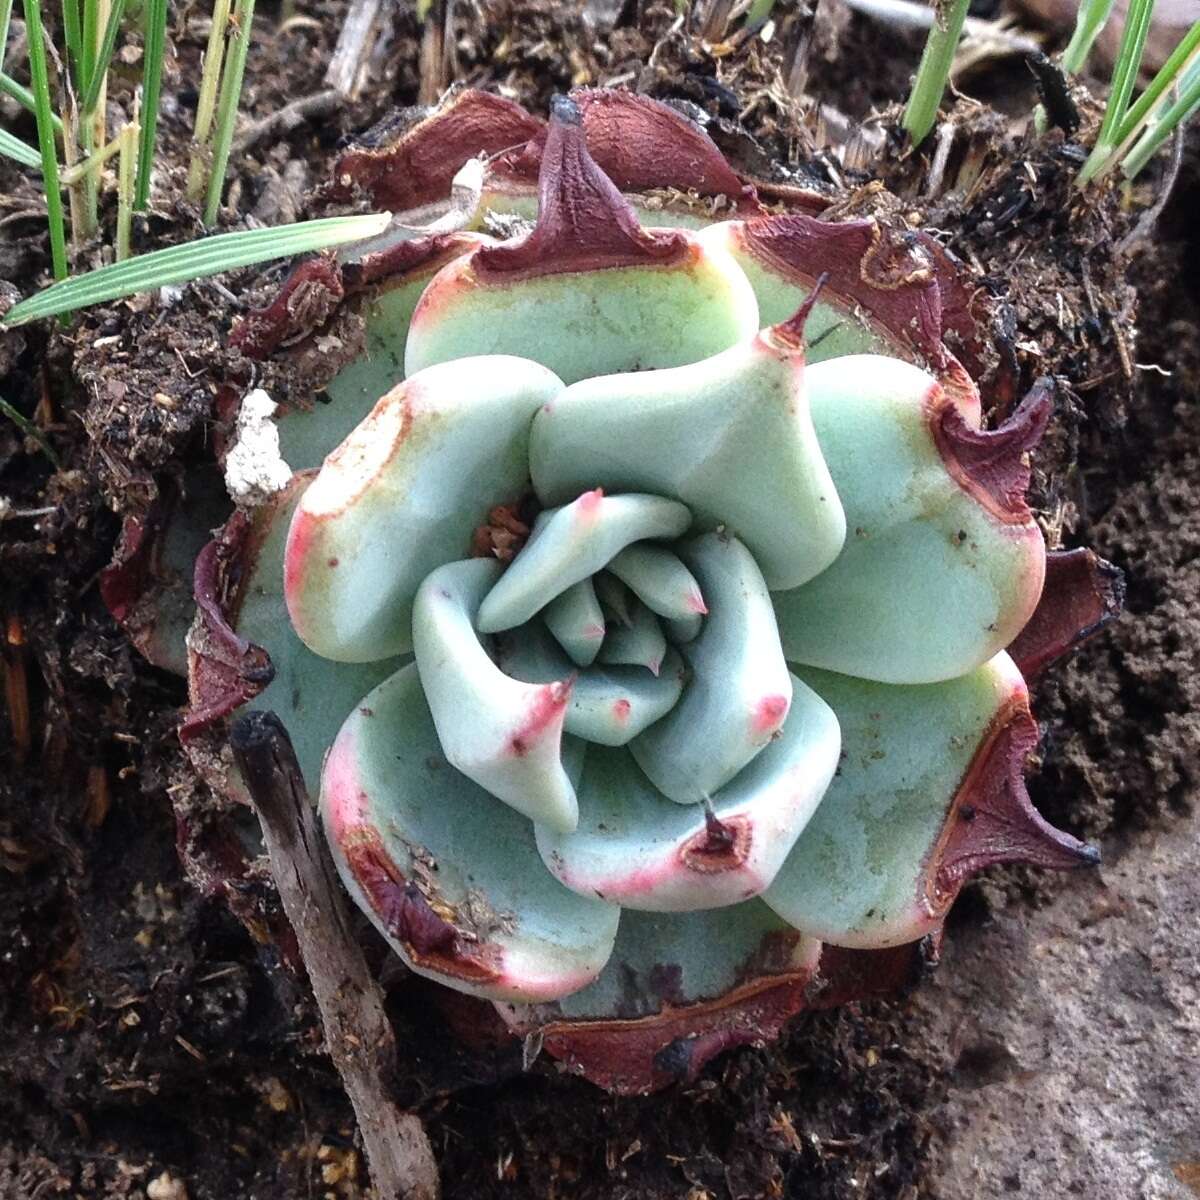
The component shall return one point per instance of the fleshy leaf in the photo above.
(504, 735)
(740, 689)
(382, 310)
(449, 875)
(621, 297)
(608, 705)
(731, 437)
(685, 629)
(571, 543)
(616, 600)
(943, 562)
(576, 620)
(637, 849)
(660, 581)
(311, 695)
(881, 294)
(403, 494)
(641, 643)
(930, 790)
(678, 989)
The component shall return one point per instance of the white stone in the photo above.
(254, 467)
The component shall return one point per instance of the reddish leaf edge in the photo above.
(641, 1055)
(225, 670)
(883, 277)
(993, 464)
(992, 819)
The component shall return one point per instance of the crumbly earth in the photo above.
(155, 1046)
(1068, 1036)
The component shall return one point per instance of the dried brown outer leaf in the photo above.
(127, 583)
(889, 276)
(645, 1054)
(415, 167)
(306, 301)
(1082, 595)
(584, 222)
(993, 464)
(643, 145)
(224, 669)
(318, 286)
(966, 308)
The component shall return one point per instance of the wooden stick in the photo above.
(290, 116)
(352, 49)
(359, 1036)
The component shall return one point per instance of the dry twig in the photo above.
(357, 1031)
(290, 116)
(352, 47)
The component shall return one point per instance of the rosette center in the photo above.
(613, 626)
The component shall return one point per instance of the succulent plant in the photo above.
(648, 607)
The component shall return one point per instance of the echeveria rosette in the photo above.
(739, 709)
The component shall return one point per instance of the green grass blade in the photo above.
(128, 140)
(40, 78)
(73, 36)
(70, 176)
(227, 108)
(1179, 112)
(1125, 73)
(13, 147)
(1128, 64)
(206, 103)
(933, 74)
(5, 18)
(194, 260)
(758, 14)
(24, 97)
(1089, 21)
(156, 40)
(91, 96)
(30, 430)
(1167, 75)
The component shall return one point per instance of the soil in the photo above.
(155, 1045)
